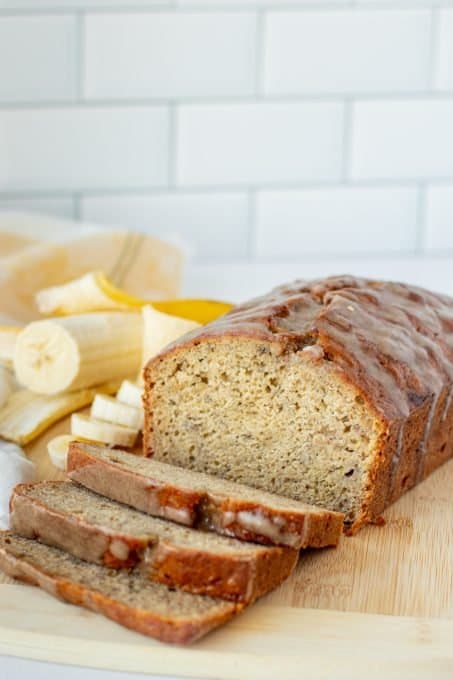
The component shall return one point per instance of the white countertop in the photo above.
(237, 282)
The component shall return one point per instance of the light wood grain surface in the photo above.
(335, 607)
(265, 642)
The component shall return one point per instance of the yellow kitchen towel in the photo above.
(37, 252)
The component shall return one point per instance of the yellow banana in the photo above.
(95, 292)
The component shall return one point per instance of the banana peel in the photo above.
(8, 383)
(95, 292)
(26, 415)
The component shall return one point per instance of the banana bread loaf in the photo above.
(337, 392)
(123, 596)
(198, 500)
(99, 530)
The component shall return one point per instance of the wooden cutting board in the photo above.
(380, 605)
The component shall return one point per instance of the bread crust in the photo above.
(237, 580)
(143, 621)
(392, 342)
(222, 514)
(238, 577)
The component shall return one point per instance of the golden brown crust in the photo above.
(316, 528)
(140, 492)
(31, 518)
(391, 341)
(180, 631)
(231, 576)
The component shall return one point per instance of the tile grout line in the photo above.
(420, 220)
(173, 7)
(251, 235)
(77, 206)
(433, 50)
(260, 53)
(80, 33)
(145, 190)
(172, 150)
(347, 140)
(240, 99)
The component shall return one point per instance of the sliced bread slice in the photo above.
(102, 531)
(123, 596)
(199, 500)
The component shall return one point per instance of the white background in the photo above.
(260, 130)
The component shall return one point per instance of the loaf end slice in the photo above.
(201, 500)
(102, 531)
(123, 596)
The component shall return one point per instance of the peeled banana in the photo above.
(100, 431)
(8, 337)
(78, 296)
(95, 292)
(130, 393)
(58, 450)
(26, 415)
(113, 411)
(75, 352)
(160, 329)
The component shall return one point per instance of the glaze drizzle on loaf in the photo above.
(392, 341)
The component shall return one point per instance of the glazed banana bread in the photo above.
(123, 596)
(199, 500)
(102, 531)
(336, 392)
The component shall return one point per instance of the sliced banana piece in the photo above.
(58, 450)
(26, 415)
(160, 329)
(114, 411)
(130, 393)
(75, 352)
(101, 431)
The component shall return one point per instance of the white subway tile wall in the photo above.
(444, 54)
(346, 52)
(255, 130)
(439, 226)
(259, 143)
(80, 148)
(169, 55)
(335, 221)
(37, 58)
(395, 140)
